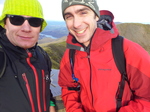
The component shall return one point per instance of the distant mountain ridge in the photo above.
(136, 32)
(55, 29)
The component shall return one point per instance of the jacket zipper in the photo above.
(29, 92)
(36, 81)
(88, 56)
(44, 89)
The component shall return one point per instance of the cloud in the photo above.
(1, 1)
(127, 10)
(52, 9)
(123, 10)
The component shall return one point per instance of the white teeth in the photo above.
(81, 31)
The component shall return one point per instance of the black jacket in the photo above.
(25, 84)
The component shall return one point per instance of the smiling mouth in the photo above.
(25, 37)
(79, 32)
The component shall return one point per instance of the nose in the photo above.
(26, 26)
(77, 22)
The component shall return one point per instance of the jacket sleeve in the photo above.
(70, 97)
(138, 71)
(52, 99)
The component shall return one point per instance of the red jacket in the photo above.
(99, 77)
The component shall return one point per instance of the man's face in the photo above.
(24, 36)
(81, 22)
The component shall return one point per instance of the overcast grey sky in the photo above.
(123, 10)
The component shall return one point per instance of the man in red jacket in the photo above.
(91, 84)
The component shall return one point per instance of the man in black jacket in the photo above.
(25, 83)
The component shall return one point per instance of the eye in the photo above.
(83, 13)
(68, 17)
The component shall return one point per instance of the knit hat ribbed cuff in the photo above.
(89, 3)
(22, 7)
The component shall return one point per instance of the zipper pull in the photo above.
(24, 77)
(29, 53)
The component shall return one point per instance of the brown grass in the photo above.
(59, 104)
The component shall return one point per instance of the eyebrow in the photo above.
(79, 10)
(83, 9)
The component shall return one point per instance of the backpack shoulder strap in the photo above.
(118, 53)
(72, 60)
(2, 61)
(46, 57)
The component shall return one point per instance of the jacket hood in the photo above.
(99, 38)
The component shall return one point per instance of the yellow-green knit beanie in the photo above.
(22, 7)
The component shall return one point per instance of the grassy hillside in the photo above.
(55, 51)
(139, 33)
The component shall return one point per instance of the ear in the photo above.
(97, 18)
(5, 26)
(5, 21)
